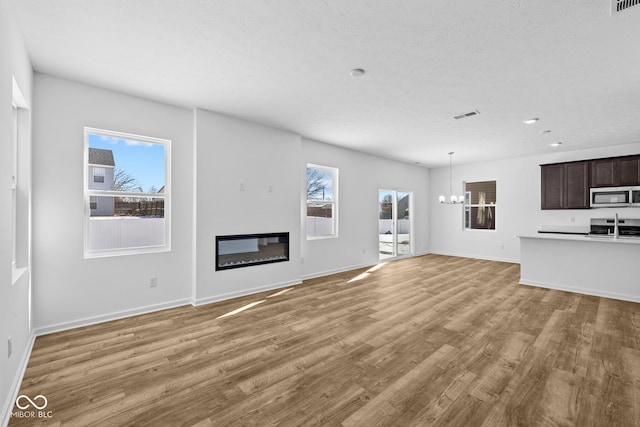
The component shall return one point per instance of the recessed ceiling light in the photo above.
(357, 72)
(531, 121)
(556, 144)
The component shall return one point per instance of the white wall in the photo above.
(231, 152)
(68, 289)
(14, 297)
(518, 205)
(360, 176)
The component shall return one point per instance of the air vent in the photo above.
(473, 113)
(622, 5)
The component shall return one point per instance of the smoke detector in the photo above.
(618, 6)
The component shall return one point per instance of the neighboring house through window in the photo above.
(102, 175)
(127, 194)
(480, 205)
(322, 202)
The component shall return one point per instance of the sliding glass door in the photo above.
(394, 224)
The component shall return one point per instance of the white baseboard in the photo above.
(7, 408)
(110, 316)
(576, 290)
(475, 256)
(244, 292)
(334, 271)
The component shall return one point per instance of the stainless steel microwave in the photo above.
(614, 197)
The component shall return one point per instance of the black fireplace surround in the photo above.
(245, 250)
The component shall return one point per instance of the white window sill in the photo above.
(332, 236)
(17, 273)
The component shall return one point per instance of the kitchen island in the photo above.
(601, 266)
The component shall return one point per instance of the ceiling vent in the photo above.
(473, 113)
(622, 5)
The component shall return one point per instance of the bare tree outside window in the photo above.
(321, 201)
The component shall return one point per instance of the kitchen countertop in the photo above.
(583, 238)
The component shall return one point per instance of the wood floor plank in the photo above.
(431, 340)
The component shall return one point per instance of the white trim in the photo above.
(222, 297)
(17, 273)
(583, 291)
(59, 327)
(336, 271)
(18, 97)
(12, 395)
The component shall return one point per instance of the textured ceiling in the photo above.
(286, 64)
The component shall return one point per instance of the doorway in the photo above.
(394, 223)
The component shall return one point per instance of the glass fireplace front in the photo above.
(244, 250)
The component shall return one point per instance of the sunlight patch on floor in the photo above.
(367, 273)
(279, 293)
(241, 309)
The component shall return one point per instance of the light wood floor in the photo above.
(431, 340)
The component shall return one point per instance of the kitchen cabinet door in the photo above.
(605, 172)
(552, 186)
(577, 185)
(630, 170)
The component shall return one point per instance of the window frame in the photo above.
(14, 185)
(20, 184)
(467, 206)
(166, 195)
(334, 203)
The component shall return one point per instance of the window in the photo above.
(480, 205)
(127, 196)
(322, 197)
(14, 186)
(98, 174)
(20, 184)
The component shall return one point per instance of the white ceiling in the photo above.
(286, 64)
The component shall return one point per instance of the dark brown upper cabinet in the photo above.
(565, 185)
(615, 171)
(553, 188)
(577, 185)
(605, 172)
(630, 170)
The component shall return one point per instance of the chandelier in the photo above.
(453, 199)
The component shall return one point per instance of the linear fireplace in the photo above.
(244, 250)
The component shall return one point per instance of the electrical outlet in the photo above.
(9, 347)
(243, 186)
(153, 282)
(270, 188)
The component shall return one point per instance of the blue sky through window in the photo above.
(141, 159)
(319, 184)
